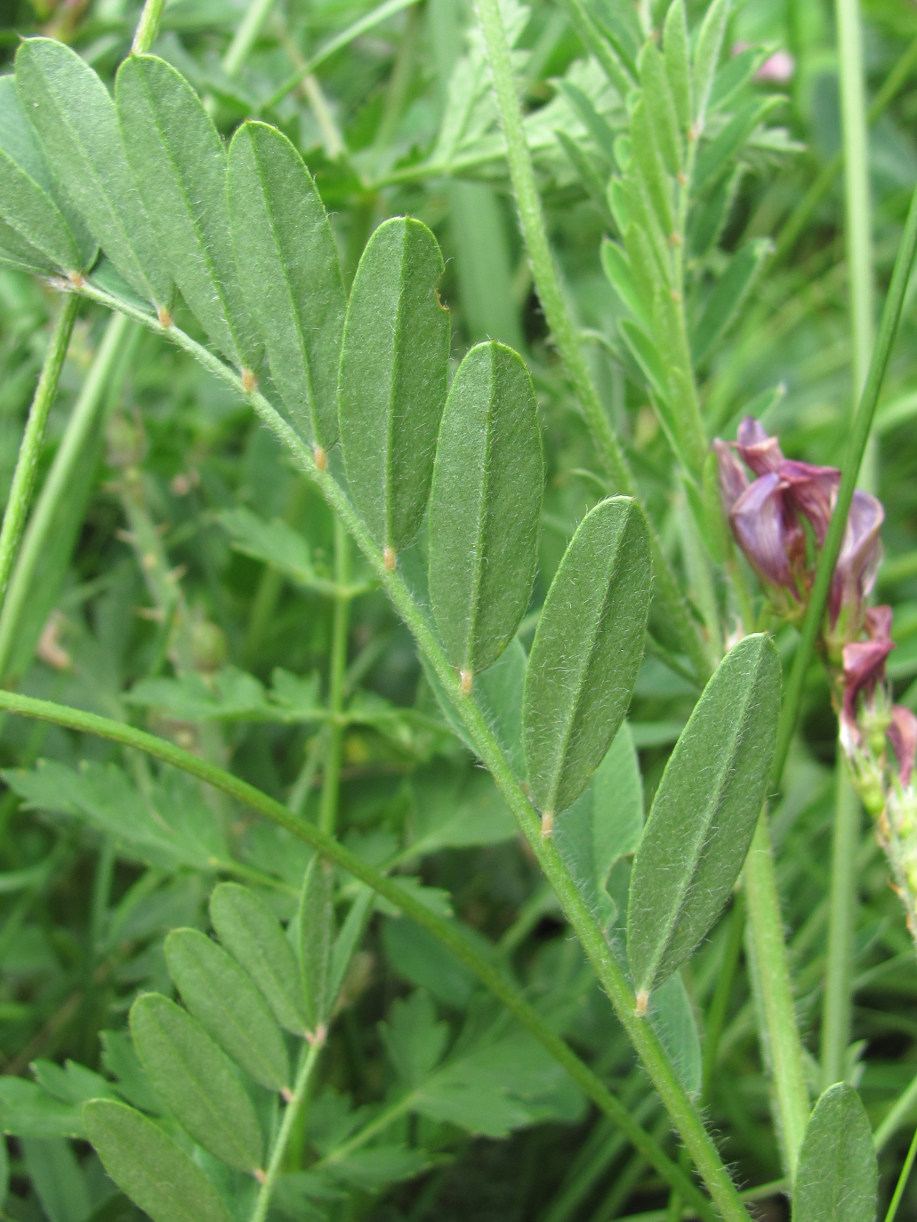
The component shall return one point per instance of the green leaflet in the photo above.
(33, 226)
(706, 56)
(394, 367)
(254, 937)
(586, 653)
(485, 506)
(676, 51)
(226, 1002)
(149, 1167)
(660, 106)
(604, 824)
(196, 1081)
(704, 813)
(316, 936)
(179, 164)
(728, 295)
(288, 273)
(75, 119)
(837, 1175)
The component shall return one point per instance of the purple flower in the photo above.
(902, 734)
(864, 666)
(769, 516)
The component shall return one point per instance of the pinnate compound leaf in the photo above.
(254, 937)
(35, 228)
(837, 1176)
(76, 122)
(394, 367)
(179, 164)
(149, 1167)
(704, 813)
(485, 506)
(226, 1002)
(586, 653)
(288, 273)
(196, 1081)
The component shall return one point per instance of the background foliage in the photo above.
(191, 581)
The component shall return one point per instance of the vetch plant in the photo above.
(373, 903)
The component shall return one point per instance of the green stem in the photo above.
(902, 1180)
(83, 420)
(23, 483)
(773, 993)
(447, 933)
(337, 43)
(147, 27)
(837, 1003)
(331, 779)
(857, 228)
(256, 14)
(859, 435)
(553, 301)
(682, 1111)
(802, 213)
(901, 1110)
(290, 1116)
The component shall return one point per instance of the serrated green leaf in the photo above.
(485, 506)
(170, 825)
(660, 108)
(456, 810)
(227, 1003)
(414, 1038)
(706, 57)
(289, 274)
(837, 1174)
(34, 226)
(75, 119)
(394, 366)
(727, 297)
(196, 1081)
(704, 813)
(254, 937)
(676, 50)
(586, 653)
(316, 937)
(149, 1167)
(179, 164)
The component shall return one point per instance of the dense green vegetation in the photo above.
(291, 551)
